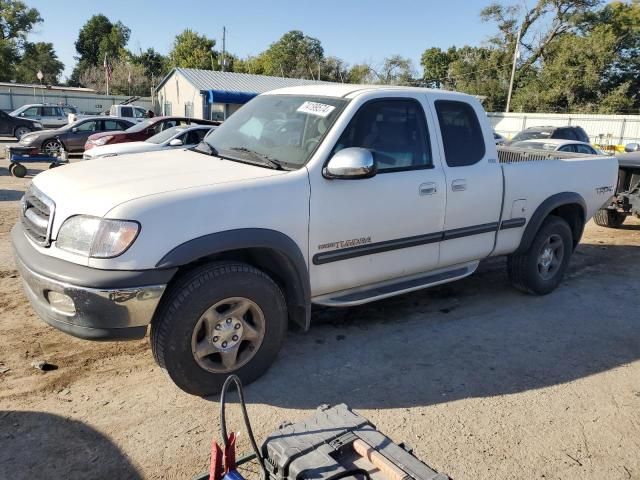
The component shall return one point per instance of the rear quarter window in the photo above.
(462, 137)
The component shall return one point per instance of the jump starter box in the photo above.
(338, 443)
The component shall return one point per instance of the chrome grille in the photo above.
(37, 215)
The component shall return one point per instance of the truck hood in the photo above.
(95, 187)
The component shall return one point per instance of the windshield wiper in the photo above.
(204, 147)
(264, 159)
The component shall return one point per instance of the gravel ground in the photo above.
(483, 381)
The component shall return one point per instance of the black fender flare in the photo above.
(285, 253)
(543, 211)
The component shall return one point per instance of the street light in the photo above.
(40, 77)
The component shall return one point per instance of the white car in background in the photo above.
(558, 145)
(175, 137)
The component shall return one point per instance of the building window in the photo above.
(217, 111)
(188, 109)
(166, 109)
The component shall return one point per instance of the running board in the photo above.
(378, 291)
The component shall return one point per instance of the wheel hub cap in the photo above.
(228, 335)
(550, 257)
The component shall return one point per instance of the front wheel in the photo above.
(18, 170)
(51, 147)
(608, 218)
(219, 319)
(540, 269)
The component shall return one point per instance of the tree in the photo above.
(191, 50)
(435, 63)
(99, 37)
(361, 73)
(121, 72)
(541, 25)
(396, 70)
(333, 69)
(39, 57)
(155, 65)
(294, 55)
(16, 21)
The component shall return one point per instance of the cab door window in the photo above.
(394, 131)
(461, 133)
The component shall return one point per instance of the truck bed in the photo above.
(532, 176)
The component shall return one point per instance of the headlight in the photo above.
(97, 237)
(103, 140)
(37, 124)
(27, 139)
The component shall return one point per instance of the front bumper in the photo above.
(108, 304)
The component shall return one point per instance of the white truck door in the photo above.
(473, 181)
(369, 230)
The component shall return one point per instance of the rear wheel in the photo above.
(219, 319)
(608, 218)
(21, 131)
(540, 269)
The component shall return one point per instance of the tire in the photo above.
(20, 132)
(19, 170)
(51, 146)
(197, 307)
(536, 271)
(608, 218)
(11, 165)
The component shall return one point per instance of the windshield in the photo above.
(531, 134)
(535, 145)
(139, 127)
(282, 128)
(165, 135)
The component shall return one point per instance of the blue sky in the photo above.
(353, 30)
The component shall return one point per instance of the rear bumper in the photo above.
(107, 304)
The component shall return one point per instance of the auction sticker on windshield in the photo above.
(315, 108)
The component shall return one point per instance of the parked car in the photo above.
(226, 244)
(133, 112)
(74, 135)
(17, 126)
(556, 145)
(175, 137)
(626, 198)
(143, 130)
(564, 133)
(51, 116)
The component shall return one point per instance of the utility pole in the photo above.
(516, 54)
(224, 39)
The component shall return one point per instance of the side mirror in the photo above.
(74, 129)
(22, 114)
(350, 164)
(176, 142)
(632, 147)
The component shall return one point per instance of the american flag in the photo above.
(107, 68)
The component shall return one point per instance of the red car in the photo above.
(143, 130)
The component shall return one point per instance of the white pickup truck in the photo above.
(331, 195)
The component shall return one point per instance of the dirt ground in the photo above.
(483, 381)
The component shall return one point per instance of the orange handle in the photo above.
(391, 471)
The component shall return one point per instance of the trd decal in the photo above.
(345, 243)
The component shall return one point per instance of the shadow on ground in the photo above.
(37, 445)
(10, 195)
(474, 338)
